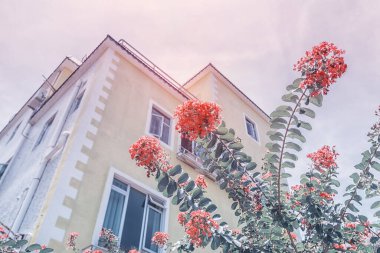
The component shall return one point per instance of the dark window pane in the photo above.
(165, 134)
(119, 184)
(187, 144)
(114, 212)
(133, 220)
(156, 125)
(153, 225)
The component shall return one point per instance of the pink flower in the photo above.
(160, 239)
(324, 158)
(197, 119)
(266, 175)
(321, 67)
(200, 182)
(133, 251)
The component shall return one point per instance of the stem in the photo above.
(342, 213)
(292, 241)
(245, 171)
(282, 151)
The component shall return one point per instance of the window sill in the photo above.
(194, 161)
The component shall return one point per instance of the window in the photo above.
(251, 129)
(76, 103)
(133, 216)
(14, 132)
(160, 125)
(3, 167)
(44, 131)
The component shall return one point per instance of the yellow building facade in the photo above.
(93, 182)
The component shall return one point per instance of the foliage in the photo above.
(272, 216)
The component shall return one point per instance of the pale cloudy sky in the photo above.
(254, 43)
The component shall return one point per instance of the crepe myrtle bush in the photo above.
(272, 216)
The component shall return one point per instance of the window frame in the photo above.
(137, 185)
(45, 130)
(255, 128)
(163, 111)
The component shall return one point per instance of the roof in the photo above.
(210, 68)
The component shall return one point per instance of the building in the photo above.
(64, 156)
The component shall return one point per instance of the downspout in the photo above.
(45, 160)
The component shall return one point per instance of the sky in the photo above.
(253, 43)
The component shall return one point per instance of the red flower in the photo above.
(160, 239)
(325, 195)
(293, 236)
(148, 153)
(197, 119)
(133, 251)
(182, 218)
(71, 240)
(200, 182)
(324, 158)
(200, 225)
(321, 67)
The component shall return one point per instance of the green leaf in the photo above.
(197, 193)
(297, 136)
(172, 187)
(278, 120)
(33, 247)
(377, 214)
(279, 114)
(46, 250)
(277, 126)
(212, 143)
(375, 165)
(355, 177)
(352, 208)
(376, 204)
(273, 147)
(317, 100)
(288, 165)
(183, 178)
(184, 206)
(20, 243)
(176, 200)
(204, 202)
(251, 166)
(236, 146)
(227, 137)
(276, 136)
(219, 150)
(360, 166)
(163, 182)
(175, 170)
(305, 125)
(295, 84)
(234, 205)
(292, 145)
(215, 243)
(290, 98)
(290, 156)
(190, 186)
(221, 130)
(285, 175)
(307, 112)
(211, 208)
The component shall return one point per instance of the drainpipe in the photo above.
(42, 166)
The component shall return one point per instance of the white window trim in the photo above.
(152, 104)
(246, 117)
(114, 173)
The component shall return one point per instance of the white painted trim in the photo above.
(245, 117)
(134, 183)
(166, 112)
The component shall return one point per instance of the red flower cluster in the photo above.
(133, 251)
(92, 251)
(71, 240)
(182, 218)
(197, 119)
(160, 239)
(199, 226)
(326, 196)
(201, 182)
(321, 67)
(324, 158)
(148, 153)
